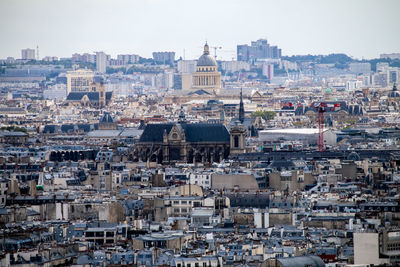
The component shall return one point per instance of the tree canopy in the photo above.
(266, 115)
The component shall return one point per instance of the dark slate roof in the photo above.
(282, 164)
(65, 128)
(106, 118)
(199, 92)
(155, 132)
(249, 200)
(77, 96)
(196, 132)
(204, 132)
(86, 127)
(49, 129)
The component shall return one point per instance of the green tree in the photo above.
(266, 115)
(14, 129)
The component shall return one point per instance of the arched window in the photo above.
(236, 141)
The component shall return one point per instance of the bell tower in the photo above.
(237, 139)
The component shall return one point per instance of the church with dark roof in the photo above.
(96, 98)
(183, 142)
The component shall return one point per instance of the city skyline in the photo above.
(361, 29)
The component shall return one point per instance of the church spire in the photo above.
(241, 107)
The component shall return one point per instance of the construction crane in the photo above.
(219, 48)
(215, 50)
(321, 108)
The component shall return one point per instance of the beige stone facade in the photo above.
(207, 77)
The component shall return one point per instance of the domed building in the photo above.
(394, 97)
(207, 77)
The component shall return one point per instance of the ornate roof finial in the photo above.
(206, 49)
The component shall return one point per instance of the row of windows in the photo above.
(395, 246)
(205, 182)
(379, 208)
(185, 202)
(182, 210)
(201, 176)
(206, 69)
(99, 234)
(189, 265)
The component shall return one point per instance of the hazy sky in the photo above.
(360, 28)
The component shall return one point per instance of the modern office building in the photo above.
(164, 57)
(79, 80)
(360, 68)
(128, 59)
(235, 66)
(86, 57)
(101, 62)
(28, 54)
(259, 49)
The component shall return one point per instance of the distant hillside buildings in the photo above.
(164, 57)
(360, 67)
(392, 56)
(128, 59)
(259, 49)
(28, 54)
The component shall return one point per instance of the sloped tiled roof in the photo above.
(204, 132)
(155, 132)
(77, 96)
(199, 92)
(196, 132)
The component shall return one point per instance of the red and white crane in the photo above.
(321, 108)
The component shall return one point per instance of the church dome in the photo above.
(394, 92)
(206, 59)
